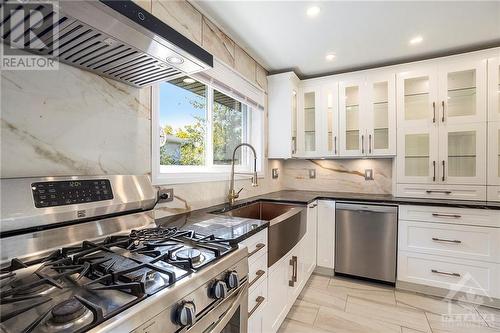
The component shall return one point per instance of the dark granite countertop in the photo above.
(299, 196)
(237, 229)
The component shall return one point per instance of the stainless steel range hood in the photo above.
(115, 39)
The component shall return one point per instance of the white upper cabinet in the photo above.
(494, 153)
(381, 114)
(282, 105)
(330, 108)
(417, 96)
(352, 107)
(494, 89)
(309, 122)
(462, 91)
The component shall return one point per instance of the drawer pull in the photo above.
(257, 248)
(454, 216)
(259, 274)
(445, 273)
(437, 191)
(313, 206)
(259, 301)
(456, 241)
(293, 263)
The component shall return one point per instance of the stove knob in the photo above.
(232, 280)
(185, 314)
(218, 290)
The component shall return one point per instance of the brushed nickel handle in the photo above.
(293, 263)
(362, 144)
(442, 104)
(434, 112)
(259, 301)
(455, 241)
(257, 248)
(455, 216)
(313, 206)
(434, 175)
(444, 167)
(369, 144)
(438, 191)
(259, 274)
(435, 271)
(335, 144)
(295, 269)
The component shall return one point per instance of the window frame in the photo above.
(182, 174)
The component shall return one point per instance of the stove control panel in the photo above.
(60, 193)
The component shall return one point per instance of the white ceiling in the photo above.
(361, 34)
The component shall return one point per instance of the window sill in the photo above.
(175, 178)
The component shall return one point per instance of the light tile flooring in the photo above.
(341, 305)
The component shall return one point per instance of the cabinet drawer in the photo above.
(480, 278)
(471, 216)
(256, 244)
(257, 270)
(493, 193)
(455, 192)
(459, 241)
(257, 297)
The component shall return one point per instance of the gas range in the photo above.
(113, 273)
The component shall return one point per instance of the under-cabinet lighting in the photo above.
(330, 57)
(313, 11)
(188, 80)
(416, 40)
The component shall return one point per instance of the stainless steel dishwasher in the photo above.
(365, 240)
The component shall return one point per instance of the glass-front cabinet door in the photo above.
(352, 129)
(294, 122)
(308, 122)
(494, 89)
(462, 154)
(381, 116)
(494, 153)
(462, 91)
(418, 155)
(417, 97)
(329, 97)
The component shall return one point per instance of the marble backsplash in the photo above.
(339, 175)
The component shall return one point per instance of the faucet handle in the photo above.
(238, 193)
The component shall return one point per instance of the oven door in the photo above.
(228, 316)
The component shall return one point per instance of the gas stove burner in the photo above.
(37, 288)
(152, 234)
(189, 254)
(67, 311)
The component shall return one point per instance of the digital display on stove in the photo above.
(60, 193)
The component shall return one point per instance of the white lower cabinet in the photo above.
(287, 277)
(456, 249)
(326, 234)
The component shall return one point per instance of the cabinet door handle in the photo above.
(335, 144)
(454, 216)
(442, 104)
(438, 191)
(444, 167)
(313, 206)
(434, 174)
(259, 301)
(434, 112)
(294, 145)
(362, 144)
(258, 274)
(455, 241)
(435, 271)
(257, 248)
(293, 263)
(369, 144)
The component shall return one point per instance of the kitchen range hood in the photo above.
(114, 39)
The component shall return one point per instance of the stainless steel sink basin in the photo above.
(287, 224)
(261, 210)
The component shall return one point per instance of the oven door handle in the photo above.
(239, 299)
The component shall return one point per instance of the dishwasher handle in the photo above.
(369, 208)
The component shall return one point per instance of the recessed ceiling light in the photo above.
(188, 80)
(175, 60)
(313, 11)
(416, 40)
(330, 57)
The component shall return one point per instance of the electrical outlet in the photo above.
(275, 173)
(368, 174)
(165, 195)
(312, 173)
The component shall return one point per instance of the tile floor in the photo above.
(340, 305)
